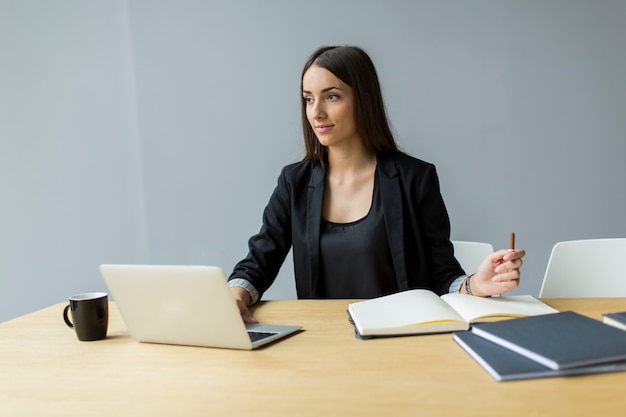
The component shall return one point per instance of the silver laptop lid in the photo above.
(182, 305)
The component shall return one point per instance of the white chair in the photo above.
(586, 268)
(471, 254)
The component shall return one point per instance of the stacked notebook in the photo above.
(615, 319)
(565, 343)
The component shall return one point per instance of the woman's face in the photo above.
(329, 107)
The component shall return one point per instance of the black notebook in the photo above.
(558, 341)
(616, 319)
(505, 365)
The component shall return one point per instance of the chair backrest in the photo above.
(471, 254)
(586, 268)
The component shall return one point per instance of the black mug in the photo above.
(90, 315)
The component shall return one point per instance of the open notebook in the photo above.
(184, 305)
(422, 311)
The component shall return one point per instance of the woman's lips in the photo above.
(323, 128)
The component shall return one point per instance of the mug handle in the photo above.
(66, 318)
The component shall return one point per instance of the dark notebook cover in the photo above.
(505, 365)
(558, 341)
(616, 319)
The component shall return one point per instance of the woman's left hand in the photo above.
(498, 273)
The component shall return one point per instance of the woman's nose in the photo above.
(318, 111)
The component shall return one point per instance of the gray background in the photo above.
(153, 131)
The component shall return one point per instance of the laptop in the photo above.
(184, 305)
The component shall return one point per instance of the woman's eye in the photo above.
(333, 97)
(308, 100)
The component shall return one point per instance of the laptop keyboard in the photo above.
(256, 336)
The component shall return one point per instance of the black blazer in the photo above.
(418, 227)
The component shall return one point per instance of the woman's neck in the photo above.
(349, 185)
(348, 162)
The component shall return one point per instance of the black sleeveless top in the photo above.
(355, 261)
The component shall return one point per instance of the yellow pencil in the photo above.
(512, 242)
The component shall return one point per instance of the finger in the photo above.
(499, 287)
(507, 286)
(512, 275)
(513, 264)
(514, 254)
(499, 255)
(505, 255)
(248, 318)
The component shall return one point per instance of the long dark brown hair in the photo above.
(354, 67)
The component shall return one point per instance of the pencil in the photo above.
(512, 242)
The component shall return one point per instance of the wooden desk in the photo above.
(323, 371)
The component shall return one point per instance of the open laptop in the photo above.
(184, 305)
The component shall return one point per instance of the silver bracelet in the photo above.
(468, 290)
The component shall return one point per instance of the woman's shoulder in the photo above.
(410, 159)
(297, 169)
(405, 162)
(299, 165)
(300, 173)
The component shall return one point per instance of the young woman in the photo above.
(363, 218)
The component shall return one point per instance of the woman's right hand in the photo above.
(242, 298)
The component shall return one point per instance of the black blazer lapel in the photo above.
(391, 194)
(313, 220)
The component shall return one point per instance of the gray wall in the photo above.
(153, 131)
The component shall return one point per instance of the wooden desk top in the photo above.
(322, 371)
